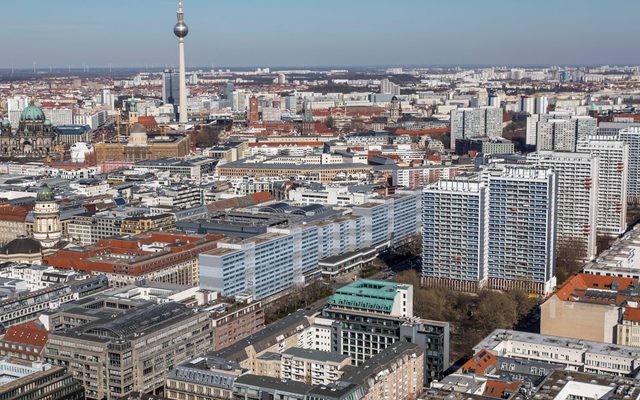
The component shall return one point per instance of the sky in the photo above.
(249, 33)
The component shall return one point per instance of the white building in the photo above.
(631, 137)
(475, 122)
(573, 354)
(522, 228)
(577, 196)
(612, 183)
(455, 234)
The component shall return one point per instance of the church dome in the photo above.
(6, 123)
(32, 113)
(45, 193)
(137, 128)
(22, 245)
(47, 122)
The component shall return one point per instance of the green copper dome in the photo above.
(32, 113)
(45, 193)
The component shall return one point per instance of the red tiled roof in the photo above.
(496, 389)
(30, 334)
(631, 314)
(480, 362)
(580, 283)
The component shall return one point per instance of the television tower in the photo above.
(181, 30)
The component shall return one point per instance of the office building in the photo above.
(133, 351)
(475, 122)
(48, 382)
(612, 182)
(566, 353)
(455, 234)
(577, 209)
(364, 304)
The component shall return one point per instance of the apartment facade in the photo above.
(522, 228)
(455, 234)
(631, 137)
(612, 182)
(577, 208)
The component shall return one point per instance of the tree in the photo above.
(208, 136)
(569, 258)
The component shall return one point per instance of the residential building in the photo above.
(631, 137)
(314, 367)
(612, 181)
(577, 204)
(475, 122)
(455, 234)
(559, 130)
(522, 228)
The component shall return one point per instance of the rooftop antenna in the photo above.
(34, 67)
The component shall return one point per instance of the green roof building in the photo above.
(381, 297)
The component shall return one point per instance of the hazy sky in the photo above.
(320, 32)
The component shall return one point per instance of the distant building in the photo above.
(35, 137)
(475, 122)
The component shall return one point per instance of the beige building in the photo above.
(589, 307)
(314, 367)
(628, 330)
(134, 351)
(313, 172)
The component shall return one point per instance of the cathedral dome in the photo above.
(6, 123)
(137, 128)
(32, 113)
(47, 122)
(22, 245)
(45, 193)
